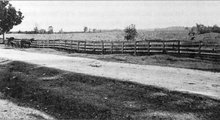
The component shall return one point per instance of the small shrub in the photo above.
(131, 32)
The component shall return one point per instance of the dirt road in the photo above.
(194, 81)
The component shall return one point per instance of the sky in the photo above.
(75, 15)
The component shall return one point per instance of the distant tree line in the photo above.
(86, 29)
(38, 31)
(202, 29)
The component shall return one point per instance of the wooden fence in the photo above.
(112, 47)
(175, 47)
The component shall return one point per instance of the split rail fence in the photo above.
(175, 47)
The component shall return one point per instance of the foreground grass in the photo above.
(68, 95)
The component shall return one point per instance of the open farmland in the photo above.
(164, 34)
(107, 36)
(119, 36)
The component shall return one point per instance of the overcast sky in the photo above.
(74, 15)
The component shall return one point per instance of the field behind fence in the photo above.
(147, 47)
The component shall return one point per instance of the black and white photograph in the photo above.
(109, 60)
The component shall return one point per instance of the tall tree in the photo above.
(85, 29)
(50, 29)
(36, 30)
(9, 17)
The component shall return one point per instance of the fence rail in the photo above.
(133, 47)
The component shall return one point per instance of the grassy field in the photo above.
(208, 38)
(107, 36)
(68, 95)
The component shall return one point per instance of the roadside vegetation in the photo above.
(68, 95)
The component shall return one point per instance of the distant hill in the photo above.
(173, 28)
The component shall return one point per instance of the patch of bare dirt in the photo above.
(11, 111)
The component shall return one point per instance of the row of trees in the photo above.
(42, 31)
(86, 29)
(202, 29)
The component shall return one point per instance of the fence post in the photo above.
(78, 46)
(34, 44)
(85, 46)
(164, 51)
(59, 45)
(200, 46)
(178, 47)
(93, 47)
(65, 44)
(111, 47)
(135, 48)
(122, 47)
(47, 43)
(71, 45)
(102, 47)
(148, 46)
(53, 43)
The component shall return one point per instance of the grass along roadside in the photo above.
(68, 95)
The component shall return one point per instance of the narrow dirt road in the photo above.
(179, 79)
